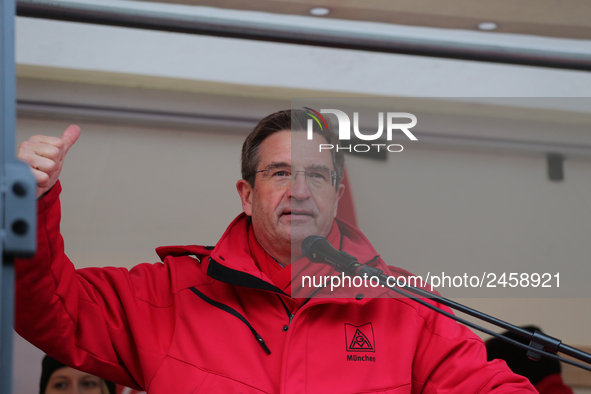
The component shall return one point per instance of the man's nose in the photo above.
(299, 188)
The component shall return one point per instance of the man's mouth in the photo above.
(297, 213)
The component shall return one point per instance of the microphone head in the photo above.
(307, 244)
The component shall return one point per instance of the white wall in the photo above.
(74, 46)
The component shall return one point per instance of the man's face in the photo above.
(284, 214)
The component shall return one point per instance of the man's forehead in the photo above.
(295, 149)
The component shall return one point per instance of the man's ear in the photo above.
(246, 193)
(339, 194)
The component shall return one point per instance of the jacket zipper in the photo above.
(235, 313)
(291, 315)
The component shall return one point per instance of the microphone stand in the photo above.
(540, 343)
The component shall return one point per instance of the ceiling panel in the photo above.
(550, 18)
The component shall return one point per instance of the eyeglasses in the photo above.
(317, 178)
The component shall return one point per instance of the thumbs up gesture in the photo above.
(46, 156)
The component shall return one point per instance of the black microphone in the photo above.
(318, 250)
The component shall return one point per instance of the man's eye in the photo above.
(316, 175)
(280, 174)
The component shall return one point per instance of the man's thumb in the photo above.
(70, 136)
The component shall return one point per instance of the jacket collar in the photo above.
(231, 261)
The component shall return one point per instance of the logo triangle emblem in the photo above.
(360, 342)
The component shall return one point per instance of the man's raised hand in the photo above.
(46, 155)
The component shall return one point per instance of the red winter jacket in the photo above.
(208, 320)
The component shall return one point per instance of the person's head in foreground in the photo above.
(56, 378)
(544, 374)
(290, 188)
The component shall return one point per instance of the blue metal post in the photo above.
(17, 193)
(7, 119)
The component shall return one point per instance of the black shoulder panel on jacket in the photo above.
(184, 250)
(227, 275)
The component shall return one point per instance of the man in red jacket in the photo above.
(236, 318)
